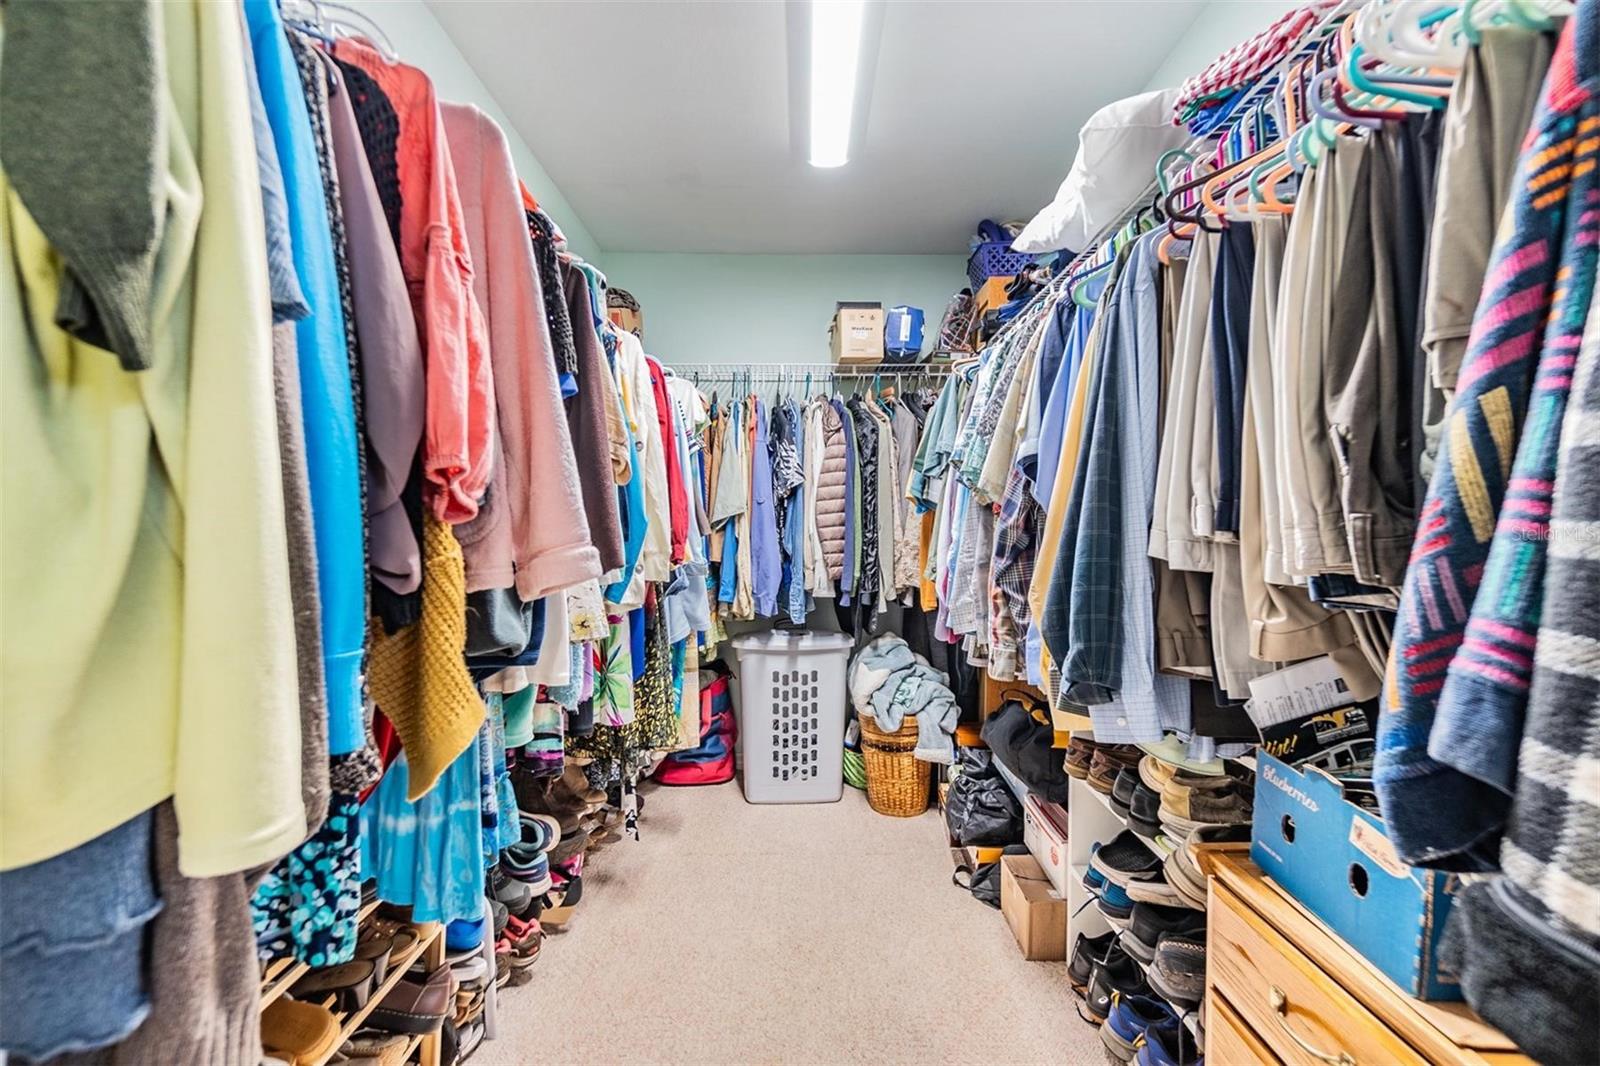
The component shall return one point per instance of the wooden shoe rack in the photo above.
(283, 973)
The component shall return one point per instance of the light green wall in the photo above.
(424, 44)
(1219, 26)
(771, 308)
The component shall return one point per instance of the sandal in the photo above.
(350, 984)
(298, 1033)
(378, 949)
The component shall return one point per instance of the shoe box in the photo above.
(1334, 857)
(1035, 911)
(1044, 830)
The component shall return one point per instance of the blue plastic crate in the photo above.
(995, 259)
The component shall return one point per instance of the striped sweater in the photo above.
(1465, 633)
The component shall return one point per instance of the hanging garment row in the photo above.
(1316, 414)
(385, 550)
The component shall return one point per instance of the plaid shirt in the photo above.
(1100, 610)
(1016, 542)
(1249, 59)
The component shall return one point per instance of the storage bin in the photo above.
(897, 781)
(792, 710)
(994, 259)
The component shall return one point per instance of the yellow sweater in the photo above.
(146, 634)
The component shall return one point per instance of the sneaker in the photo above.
(1155, 773)
(1080, 753)
(1158, 891)
(1108, 761)
(1114, 903)
(1149, 921)
(1116, 974)
(1122, 787)
(1127, 1021)
(1124, 859)
(1184, 814)
(1185, 879)
(1179, 969)
(464, 934)
(516, 896)
(1087, 951)
(528, 865)
(1168, 1043)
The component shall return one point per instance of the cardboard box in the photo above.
(991, 294)
(1044, 830)
(1336, 859)
(856, 335)
(1036, 914)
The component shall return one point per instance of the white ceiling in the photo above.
(666, 124)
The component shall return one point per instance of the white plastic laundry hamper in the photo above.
(792, 715)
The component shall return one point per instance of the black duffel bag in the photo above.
(1021, 736)
(980, 809)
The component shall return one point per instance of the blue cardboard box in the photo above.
(1336, 859)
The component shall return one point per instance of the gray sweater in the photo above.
(83, 141)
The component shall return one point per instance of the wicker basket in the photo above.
(897, 781)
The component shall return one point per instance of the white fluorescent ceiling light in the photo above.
(836, 27)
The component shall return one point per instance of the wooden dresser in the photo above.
(1280, 988)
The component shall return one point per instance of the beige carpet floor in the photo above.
(733, 933)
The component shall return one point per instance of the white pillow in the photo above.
(1117, 152)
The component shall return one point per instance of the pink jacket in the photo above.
(535, 473)
(457, 445)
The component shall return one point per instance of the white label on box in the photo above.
(905, 328)
(1375, 846)
(1297, 691)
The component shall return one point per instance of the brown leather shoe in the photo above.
(416, 1006)
(1080, 753)
(1110, 760)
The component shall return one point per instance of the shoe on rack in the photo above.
(1094, 882)
(1185, 814)
(1179, 970)
(1144, 811)
(1125, 858)
(298, 1033)
(516, 895)
(1150, 921)
(463, 935)
(1086, 951)
(573, 785)
(1155, 773)
(1115, 904)
(1116, 974)
(373, 1047)
(1122, 787)
(528, 865)
(416, 1006)
(1125, 1025)
(1169, 1043)
(1108, 761)
(1080, 753)
(1159, 891)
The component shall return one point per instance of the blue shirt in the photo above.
(327, 405)
(1053, 426)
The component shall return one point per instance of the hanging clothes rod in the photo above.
(777, 370)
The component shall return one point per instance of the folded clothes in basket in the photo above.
(888, 681)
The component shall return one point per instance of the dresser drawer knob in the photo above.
(1280, 1007)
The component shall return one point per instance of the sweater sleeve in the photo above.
(548, 520)
(459, 440)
